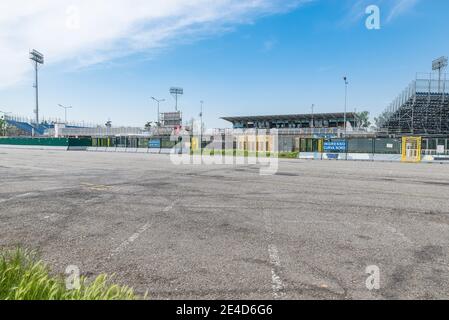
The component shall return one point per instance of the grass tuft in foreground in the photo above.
(24, 277)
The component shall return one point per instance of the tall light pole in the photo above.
(439, 64)
(38, 59)
(158, 110)
(201, 130)
(176, 92)
(346, 100)
(313, 120)
(65, 111)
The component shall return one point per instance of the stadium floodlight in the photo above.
(65, 111)
(37, 56)
(439, 64)
(175, 92)
(158, 110)
(38, 59)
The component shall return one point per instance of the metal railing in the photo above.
(429, 152)
(97, 132)
(49, 121)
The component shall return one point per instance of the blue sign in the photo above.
(335, 146)
(154, 144)
(333, 156)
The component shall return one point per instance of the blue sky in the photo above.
(262, 57)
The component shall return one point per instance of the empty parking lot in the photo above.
(221, 231)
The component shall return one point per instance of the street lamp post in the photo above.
(346, 101)
(201, 126)
(313, 116)
(65, 111)
(158, 110)
(346, 107)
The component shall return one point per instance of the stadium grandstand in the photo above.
(421, 109)
(28, 127)
(298, 121)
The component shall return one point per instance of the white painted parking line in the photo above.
(19, 196)
(136, 235)
(276, 281)
(130, 240)
(277, 285)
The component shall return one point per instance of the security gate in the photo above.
(411, 149)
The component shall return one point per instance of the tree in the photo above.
(363, 119)
(148, 125)
(380, 120)
(3, 127)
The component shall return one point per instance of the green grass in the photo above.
(24, 277)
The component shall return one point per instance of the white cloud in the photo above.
(390, 9)
(400, 7)
(94, 31)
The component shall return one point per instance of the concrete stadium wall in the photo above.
(350, 156)
(435, 159)
(129, 150)
(368, 157)
(57, 148)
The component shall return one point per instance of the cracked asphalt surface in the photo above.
(226, 232)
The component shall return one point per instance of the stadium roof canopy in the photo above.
(292, 117)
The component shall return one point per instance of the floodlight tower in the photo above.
(38, 59)
(439, 64)
(175, 92)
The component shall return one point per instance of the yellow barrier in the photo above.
(411, 149)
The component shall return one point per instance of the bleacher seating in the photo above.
(417, 111)
(28, 127)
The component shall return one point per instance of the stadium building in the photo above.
(322, 120)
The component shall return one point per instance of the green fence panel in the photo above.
(80, 142)
(360, 145)
(388, 146)
(47, 142)
(53, 142)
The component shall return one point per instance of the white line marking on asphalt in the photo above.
(19, 196)
(131, 239)
(400, 234)
(136, 235)
(276, 281)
